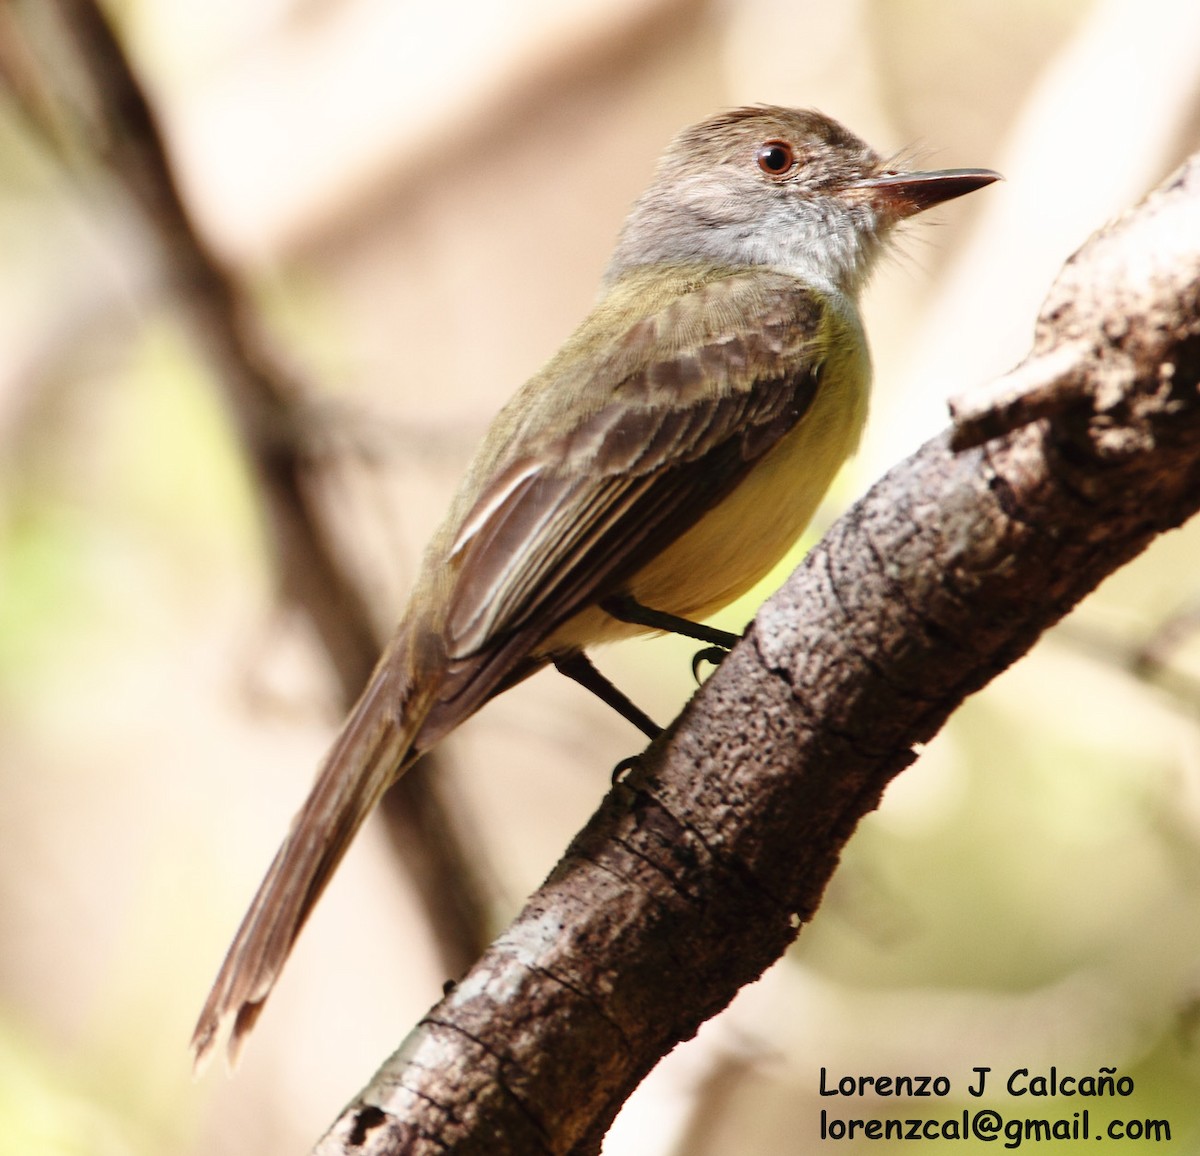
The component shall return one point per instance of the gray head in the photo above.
(780, 187)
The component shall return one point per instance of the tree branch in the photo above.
(266, 403)
(701, 865)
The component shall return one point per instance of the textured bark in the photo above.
(708, 856)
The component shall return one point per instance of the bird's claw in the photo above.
(623, 768)
(714, 654)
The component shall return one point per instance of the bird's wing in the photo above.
(696, 392)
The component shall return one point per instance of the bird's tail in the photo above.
(373, 749)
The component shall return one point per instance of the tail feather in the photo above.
(373, 749)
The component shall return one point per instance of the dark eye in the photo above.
(776, 157)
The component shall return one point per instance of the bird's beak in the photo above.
(900, 195)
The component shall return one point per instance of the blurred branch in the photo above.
(1150, 661)
(1153, 657)
(266, 403)
(705, 860)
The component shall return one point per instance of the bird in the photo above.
(655, 469)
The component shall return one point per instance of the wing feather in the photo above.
(555, 532)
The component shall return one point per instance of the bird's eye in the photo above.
(776, 158)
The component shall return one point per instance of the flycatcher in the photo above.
(659, 465)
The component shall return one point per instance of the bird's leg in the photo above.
(626, 609)
(720, 642)
(578, 667)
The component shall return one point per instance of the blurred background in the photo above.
(405, 207)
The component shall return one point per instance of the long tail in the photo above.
(371, 752)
